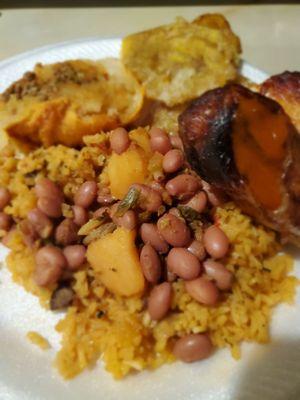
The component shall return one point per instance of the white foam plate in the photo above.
(269, 372)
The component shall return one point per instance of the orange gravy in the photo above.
(259, 138)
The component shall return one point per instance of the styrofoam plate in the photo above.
(269, 372)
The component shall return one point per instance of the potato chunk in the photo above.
(115, 258)
(125, 169)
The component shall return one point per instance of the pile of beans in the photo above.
(170, 246)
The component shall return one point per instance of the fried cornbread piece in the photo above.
(167, 117)
(285, 89)
(62, 102)
(180, 61)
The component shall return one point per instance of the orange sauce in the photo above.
(259, 138)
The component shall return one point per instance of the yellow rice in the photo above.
(120, 330)
(37, 339)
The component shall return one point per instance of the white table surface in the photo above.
(270, 34)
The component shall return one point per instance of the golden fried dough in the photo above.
(167, 117)
(285, 89)
(62, 102)
(180, 61)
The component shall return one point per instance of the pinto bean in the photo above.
(8, 237)
(150, 199)
(202, 290)
(50, 206)
(215, 242)
(66, 232)
(198, 202)
(86, 194)
(4, 197)
(62, 297)
(183, 263)
(100, 212)
(219, 273)
(197, 248)
(119, 140)
(46, 188)
(50, 263)
(41, 223)
(128, 221)
(183, 186)
(150, 263)
(29, 234)
(159, 140)
(176, 212)
(150, 234)
(80, 215)
(75, 256)
(170, 276)
(193, 347)
(5, 221)
(176, 142)
(174, 230)
(157, 186)
(173, 161)
(159, 301)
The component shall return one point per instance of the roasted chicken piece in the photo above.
(285, 89)
(245, 144)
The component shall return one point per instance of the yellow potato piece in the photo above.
(115, 258)
(125, 169)
(180, 61)
(141, 137)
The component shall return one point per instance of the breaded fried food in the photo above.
(285, 89)
(180, 61)
(167, 118)
(62, 102)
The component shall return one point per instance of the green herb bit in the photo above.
(144, 216)
(99, 232)
(188, 213)
(129, 202)
(161, 210)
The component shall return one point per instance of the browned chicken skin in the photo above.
(285, 89)
(245, 144)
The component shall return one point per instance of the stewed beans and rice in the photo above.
(180, 244)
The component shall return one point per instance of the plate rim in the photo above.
(246, 68)
(28, 53)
